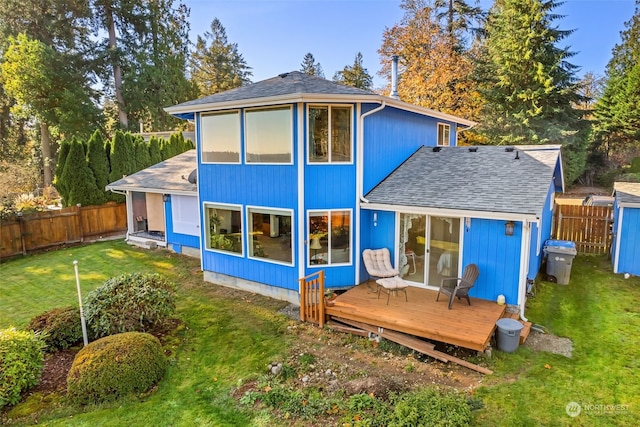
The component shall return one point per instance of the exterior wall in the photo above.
(536, 253)
(378, 234)
(391, 136)
(614, 242)
(629, 252)
(269, 186)
(497, 257)
(178, 241)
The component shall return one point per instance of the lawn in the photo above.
(230, 336)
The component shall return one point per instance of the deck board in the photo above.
(466, 326)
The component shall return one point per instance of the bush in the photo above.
(431, 407)
(60, 328)
(21, 362)
(116, 366)
(129, 303)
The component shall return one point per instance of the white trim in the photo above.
(618, 234)
(269, 211)
(351, 253)
(215, 205)
(524, 267)
(153, 190)
(317, 98)
(447, 125)
(454, 213)
(244, 124)
(301, 241)
(240, 126)
(330, 153)
(539, 237)
(628, 205)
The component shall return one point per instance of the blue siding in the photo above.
(536, 253)
(497, 257)
(177, 238)
(380, 235)
(390, 137)
(629, 254)
(616, 216)
(273, 186)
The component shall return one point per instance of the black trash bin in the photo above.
(560, 255)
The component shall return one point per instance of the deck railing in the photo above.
(312, 298)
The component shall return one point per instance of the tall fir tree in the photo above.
(311, 66)
(121, 158)
(98, 162)
(154, 150)
(216, 64)
(355, 75)
(142, 157)
(617, 112)
(528, 86)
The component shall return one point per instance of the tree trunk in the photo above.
(117, 71)
(47, 160)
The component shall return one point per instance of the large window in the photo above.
(269, 135)
(329, 134)
(444, 133)
(270, 235)
(224, 228)
(220, 136)
(329, 237)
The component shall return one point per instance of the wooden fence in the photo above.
(312, 298)
(588, 226)
(75, 224)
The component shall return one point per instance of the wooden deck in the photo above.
(465, 326)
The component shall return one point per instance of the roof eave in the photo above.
(315, 97)
(151, 190)
(514, 216)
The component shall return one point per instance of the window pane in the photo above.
(224, 231)
(269, 135)
(220, 135)
(443, 134)
(340, 237)
(319, 134)
(270, 236)
(318, 238)
(340, 134)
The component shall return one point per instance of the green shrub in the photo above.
(21, 362)
(60, 328)
(116, 366)
(129, 303)
(431, 407)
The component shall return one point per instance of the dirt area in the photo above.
(550, 343)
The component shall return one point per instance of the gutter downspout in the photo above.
(360, 178)
(129, 214)
(524, 267)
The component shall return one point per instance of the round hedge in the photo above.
(21, 362)
(116, 366)
(60, 328)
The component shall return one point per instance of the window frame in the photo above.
(250, 209)
(329, 127)
(203, 115)
(246, 139)
(207, 232)
(440, 135)
(329, 213)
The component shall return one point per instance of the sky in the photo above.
(274, 35)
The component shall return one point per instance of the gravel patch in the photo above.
(550, 343)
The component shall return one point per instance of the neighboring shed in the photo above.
(626, 226)
(162, 205)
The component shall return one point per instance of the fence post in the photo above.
(22, 241)
(79, 210)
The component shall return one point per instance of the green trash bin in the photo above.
(508, 334)
(560, 255)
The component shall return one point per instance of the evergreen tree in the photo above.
(121, 157)
(528, 86)
(355, 75)
(79, 179)
(154, 150)
(142, 157)
(311, 67)
(216, 64)
(63, 153)
(98, 162)
(617, 112)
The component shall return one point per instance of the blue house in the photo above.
(162, 205)
(298, 174)
(626, 226)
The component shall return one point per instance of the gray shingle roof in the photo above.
(164, 177)
(489, 180)
(290, 83)
(627, 192)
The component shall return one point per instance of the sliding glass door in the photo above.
(429, 248)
